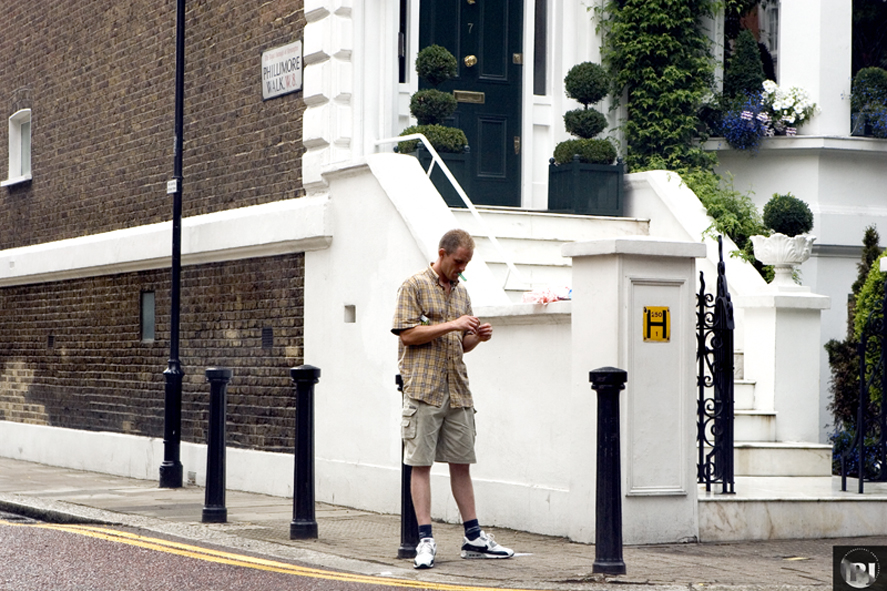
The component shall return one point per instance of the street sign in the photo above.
(657, 324)
(282, 70)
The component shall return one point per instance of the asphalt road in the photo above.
(36, 556)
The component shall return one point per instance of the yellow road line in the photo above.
(232, 559)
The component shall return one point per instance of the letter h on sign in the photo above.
(657, 324)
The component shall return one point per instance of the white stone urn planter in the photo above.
(784, 253)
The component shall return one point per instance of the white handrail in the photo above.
(436, 159)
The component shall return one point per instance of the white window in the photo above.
(19, 148)
(147, 316)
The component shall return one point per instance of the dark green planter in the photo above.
(590, 189)
(458, 165)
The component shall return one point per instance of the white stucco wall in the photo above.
(842, 179)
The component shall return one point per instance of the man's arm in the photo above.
(419, 335)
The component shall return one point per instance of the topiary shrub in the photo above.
(590, 151)
(444, 139)
(786, 214)
(585, 123)
(431, 107)
(436, 64)
(587, 83)
(744, 74)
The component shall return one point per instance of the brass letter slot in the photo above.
(467, 96)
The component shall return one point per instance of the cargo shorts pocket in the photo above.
(408, 423)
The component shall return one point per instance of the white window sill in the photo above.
(15, 181)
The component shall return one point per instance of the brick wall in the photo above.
(99, 78)
(71, 353)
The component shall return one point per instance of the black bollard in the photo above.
(214, 510)
(304, 525)
(607, 382)
(409, 526)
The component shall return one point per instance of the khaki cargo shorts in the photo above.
(431, 434)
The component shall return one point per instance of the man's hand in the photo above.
(483, 333)
(467, 324)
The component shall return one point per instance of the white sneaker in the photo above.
(425, 552)
(484, 547)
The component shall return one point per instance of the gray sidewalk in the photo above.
(367, 543)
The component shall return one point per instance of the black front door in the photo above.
(485, 36)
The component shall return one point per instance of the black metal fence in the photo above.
(714, 379)
(867, 453)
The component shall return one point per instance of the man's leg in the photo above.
(420, 489)
(463, 491)
(476, 544)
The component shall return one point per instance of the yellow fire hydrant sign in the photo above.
(657, 324)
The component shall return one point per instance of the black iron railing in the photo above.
(714, 378)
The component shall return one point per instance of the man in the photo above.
(435, 324)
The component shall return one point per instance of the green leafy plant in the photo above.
(843, 357)
(436, 64)
(591, 151)
(744, 73)
(786, 214)
(444, 139)
(733, 213)
(659, 59)
(587, 83)
(868, 312)
(431, 107)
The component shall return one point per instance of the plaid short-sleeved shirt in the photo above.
(435, 369)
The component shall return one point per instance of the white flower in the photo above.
(792, 106)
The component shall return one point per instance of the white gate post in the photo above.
(634, 308)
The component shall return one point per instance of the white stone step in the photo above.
(754, 425)
(532, 241)
(531, 277)
(530, 251)
(773, 508)
(743, 395)
(755, 458)
(508, 222)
